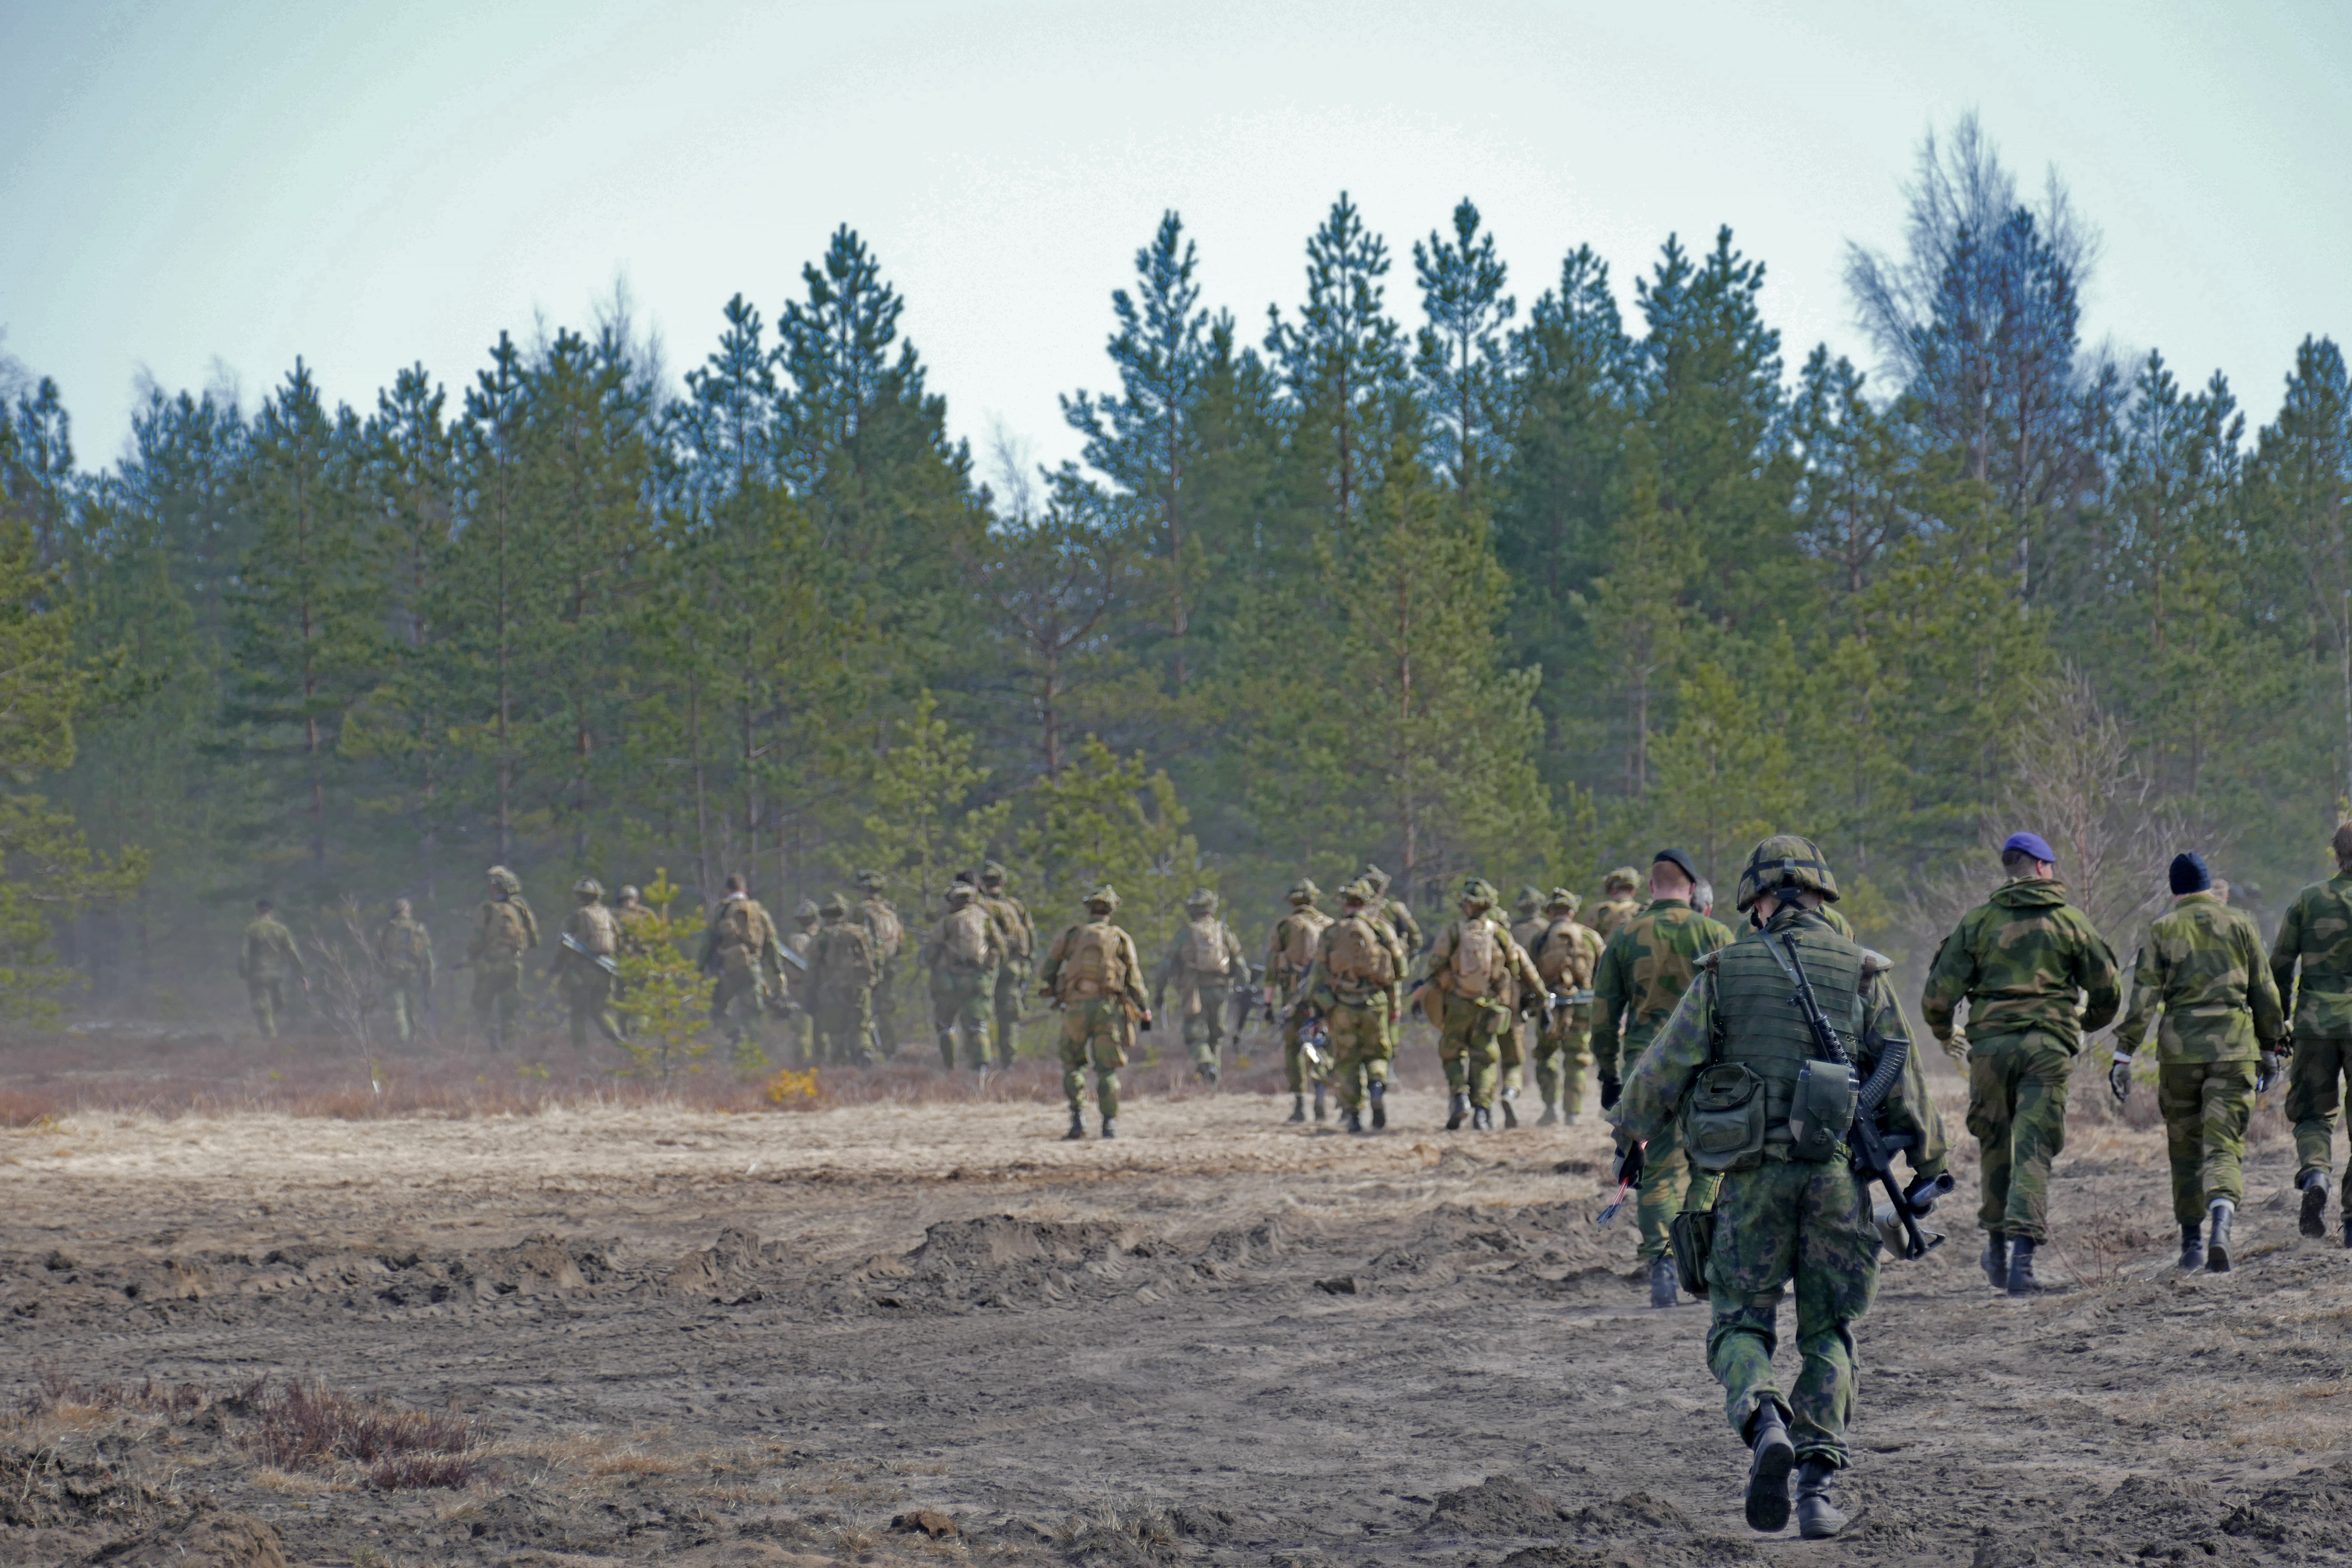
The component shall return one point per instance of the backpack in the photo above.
(1557, 954)
(602, 930)
(504, 931)
(881, 922)
(1204, 946)
(1301, 934)
(966, 935)
(1474, 956)
(1094, 966)
(1359, 956)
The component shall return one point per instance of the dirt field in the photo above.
(927, 1329)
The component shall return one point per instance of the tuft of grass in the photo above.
(55, 1393)
(310, 1426)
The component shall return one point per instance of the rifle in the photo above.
(1873, 1157)
(570, 943)
(1248, 996)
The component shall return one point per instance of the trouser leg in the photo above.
(2314, 1085)
(1665, 1184)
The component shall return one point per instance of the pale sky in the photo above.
(188, 184)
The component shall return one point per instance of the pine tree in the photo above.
(1459, 362)
(1342, 368)
(2301, 488)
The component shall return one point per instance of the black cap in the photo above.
(2188, 874)
(1675, 857)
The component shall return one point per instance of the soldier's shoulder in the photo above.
(1705, 962)
(1874, 963)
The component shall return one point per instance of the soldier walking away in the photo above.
(1521, 1040)
(587, 963)
(1644, 970)
(266, 961)
(504, 930)
(1745, 1076)
(842, 971)
(1393, 910)
(800, 988)
(629, 909)
(886, 935)
(1359, 962)
(1096, 981)
(1203, 961)
(1018, 932)
(963, 955)
(2203, 965)
(1620, 902)
(2037, 978)
(404, 962)
(1289, 958)
(1566, 955)
(1477, 979)
(2318, 933)
(740, 948)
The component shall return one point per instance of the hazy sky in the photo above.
(368, 186)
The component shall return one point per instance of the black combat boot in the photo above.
(1482, 1120)
(1354, 1121)
(2217, 1249)
(1297, 1107)
(1995, 1261)
(2021, 1268)
(1110, 1126)
(1818, 1519)
(2193, 1247)
(1510, 1116)
(2315, 1202)
(1550, 1118)
(1661, 1294)
(1078, 1127)
(1770, 1458)
(1380, 1103)
(1457, 1113)
(1320, 1113)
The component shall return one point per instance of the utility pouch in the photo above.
(1691, 1237)
(1722, 1119)
(1821, 1113)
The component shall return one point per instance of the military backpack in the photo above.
(882, 923)
(966, 930)
(1359, 957)
(1096, 964)
(1204, 946)
(1478, 958)
(1302, 932)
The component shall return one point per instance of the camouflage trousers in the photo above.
(1518, 1042)
(268, 995)
(2016, 1114)
(1791, 1222)
(2205, 1107)
(964, 1000)
(498, 997)
(1294, 1059)
(406, 995)
(1204, 1026)
(1094, 1034)
(1012, 995)
(2316, 1078)
(739, 1003)
(589, 991)
(842, 1026)
(1563, 1057)
(1361, 1048)
(1472, 1047)
(1666, 1189)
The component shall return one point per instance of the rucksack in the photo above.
(1300, 937)
(603, 932)
(882, 923)
(967, 935)
(1557, 954)
(505, 931)
(1094, 964)
(1475, 953)
(1359, 956)
(1204, 946)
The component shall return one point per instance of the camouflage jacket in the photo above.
(502, 933)
(1609, 916)
(269, 952)
(1680, 1051)
(2021, 959)
(1401, 920)
(2317, 930)
(842, 966)
(1305, 924)
(403, 951)
(2202, 964)
(1643, 972)
(1015, 931)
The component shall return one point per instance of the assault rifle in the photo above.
(1873, 1151)
(570, 943)
(1250, 996)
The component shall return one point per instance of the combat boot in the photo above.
(1078, 1127)
(1995, 1261)
(1380, 1103)
(1297, 1107)
(1550, 1118)
(1510, 1115)
(2315, 1202)
(2193, 1247)
(2020, 1269)
(1110, 1126)
(1818, 1519)
(1354, 1121)
(1661, 1294)
(2217, 1249)
(1770, 1458)
(1320, 1113)
(1482, 1120)
(1457, 1112)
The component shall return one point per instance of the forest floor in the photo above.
(923, 1330)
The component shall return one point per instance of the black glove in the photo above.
(1146, 1023)
(2119, 1078)
(1610, 1089)
(1628, 1167)
(2267, 1074)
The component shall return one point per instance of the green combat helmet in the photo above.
(1563, 901)
(992, 875)
(588, 890)
(1356, 892)
(1479, 891)
(835, 907)
(628, 894)
(1530, 901)
(871, 881)
(960, 893)
(1785, 864)
(504, 880)
(1201, 903)
(1375, 879)
(1623, 880)
(1304, 892)
(1105, 897)
(807, 911)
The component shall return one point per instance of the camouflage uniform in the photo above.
(1393, 910)
(1019, 934)
(1356, 1005)
(887, 935)
(635, 918)
(742, 947)
(962, 955)
(267, 959)
(587, 985)
(2021, 960)
(1521, 1041)
(1204, 962)
(1475, 1004)
(1620, 902)
(403, 961)
(1289, 958)
(2317, 932)
(2203, 966)
(1100, 996)
(1644, 970)
(1779, 1219)
(504, 930)
(842, 968)
(799, 983)
(1565, 956)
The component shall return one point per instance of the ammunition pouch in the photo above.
(1691, 1238)
(1722, 1119)
(1822, 1110)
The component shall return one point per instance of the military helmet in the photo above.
(1530, 900)
(1304, 892)
(1478, 890)
(589, 888)
(870, 880)
(1623, 880)
(1201, 903)
(628, 893)
(1105, 896)
(1375, 879)
(1785, 864)
(835, 907)
(400, 909)
(807, 911)
(1356, 892)
(960, 894)
(1563, 899)
(991, 871)
(504, 880)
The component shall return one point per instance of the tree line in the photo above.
(1527, 590)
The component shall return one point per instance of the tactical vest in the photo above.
(1760, 1027)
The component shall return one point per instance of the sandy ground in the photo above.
(708, 1338)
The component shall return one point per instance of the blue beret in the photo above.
(2033, 844)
